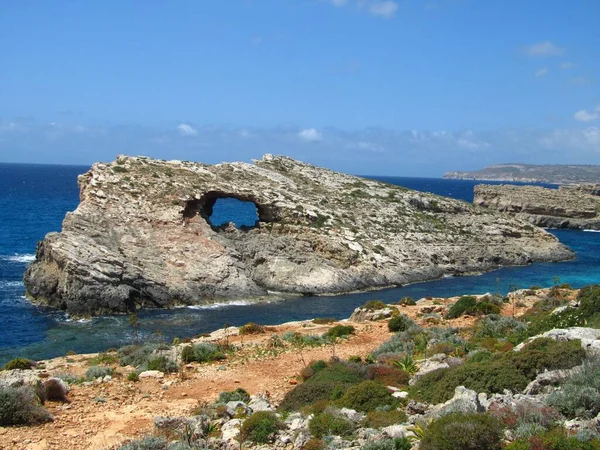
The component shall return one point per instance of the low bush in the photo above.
(459, 431)
(105, 358)
(19, 363)
(511, 370)
(202, 352)
(580, 393)
(325, 384)
(312, 368)
(340, 331)
(400, 323)
(314, 444)
(589, 299)
(402, 342)
(135, 355)
(163, 364)
(239, 395)
(21, 406)
(146, 443)
(329, 423)
(388, 376)
(556, 439)
(388, 444)
(464, 305)
(408, 301)
(367, 396)
(95, 372)
(252, 328)
(303, 340)
(323, 320)
(260, 427)
(374, 305)
(133, 376)
(381, 419)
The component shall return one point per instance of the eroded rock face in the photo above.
(568, 207)
(140, 236)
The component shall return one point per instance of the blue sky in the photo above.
(401, 87)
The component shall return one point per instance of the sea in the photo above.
(34, 200)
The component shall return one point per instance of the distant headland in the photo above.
(533, 173)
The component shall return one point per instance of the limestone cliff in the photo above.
(140, 236)
(568, 207)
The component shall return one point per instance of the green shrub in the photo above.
(325, 384)
(381, 419)
(547, 354)
(20, 406)
(589, 299)
(312, 368)
(374, 305)
(464, 305)
(146, 443)
(355, 359)
(330, 424)
(251, 328)
(388, 444)
(163, 364)
(133, 376)
(580, 393)
(97, 372)
(400, 323)
(402, 342)
(260, 427)
(438, 386)
(135, 355)
(103, 359)
(511, 370)
(408, 301)
(388, 376)
(463, 432)
(340, 331)
(553, 440)
(367, 396)
(323, 320)
(497, 326)
(239, 395)
(314, 444)
(19, 363)
(202, 352)
(487, 308)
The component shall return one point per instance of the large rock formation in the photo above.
(568, 207)
(141, 236)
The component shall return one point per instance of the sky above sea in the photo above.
(388, 87)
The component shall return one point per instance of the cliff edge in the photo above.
(141, 236)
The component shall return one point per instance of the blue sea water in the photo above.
(35, 198)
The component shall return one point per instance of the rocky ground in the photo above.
(103, 414)
(141, 236)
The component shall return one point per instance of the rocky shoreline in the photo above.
(573, 207)
(141, 236)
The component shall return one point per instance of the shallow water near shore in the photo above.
(35, 198)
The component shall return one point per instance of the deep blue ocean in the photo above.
(35, 198)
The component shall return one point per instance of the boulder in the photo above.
(231, 429)
(370, 315)
(590, 338)
(464, 400)
(18, 377)
(150, 374)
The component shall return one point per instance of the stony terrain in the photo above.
(568, 207)
(104, 413)
(140, 236)
(532, 173)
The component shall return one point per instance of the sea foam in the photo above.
(19, 258)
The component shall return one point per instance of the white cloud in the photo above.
(386, 9)
(587, 116)
(543, 71)
(566, 65)
(545, 48)
(310, 135)
(187, 130)
(370, 146)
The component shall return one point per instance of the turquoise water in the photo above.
(34, 199)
